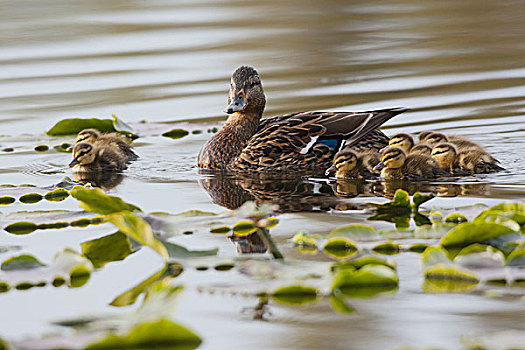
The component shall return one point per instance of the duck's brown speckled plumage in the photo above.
(111, 140)
(288, 142)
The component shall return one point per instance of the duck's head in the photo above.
(436, 138)
(87, 135)
(83, 154)
(444, 154)
(403, 141)
(246, 92)
(344, 162)
(421, 148)
(392, 158)
(422, 136)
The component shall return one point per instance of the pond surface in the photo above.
(459, 66)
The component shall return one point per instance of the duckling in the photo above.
(421, 148)
(349, 164)
(395, 164)
(445, 155)
(403, 141)
(112, 140)
(461, 143)
(478, 162)
(91, 158)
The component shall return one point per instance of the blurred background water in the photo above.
(459, 65)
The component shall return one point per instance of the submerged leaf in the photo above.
(177, 251)
(6, 200)
(106, 249)
(57, 195)
(340, 248)
(21, 262)
(95, 200)
(139, 230)
(370, 275)
(176, 133)
(355, 232)
(31, 198)
(295, 295)
(75, 125)
(21, 228)
(150, 335)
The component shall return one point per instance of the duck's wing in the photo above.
(309, 138)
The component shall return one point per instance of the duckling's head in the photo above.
(403, 141)
(246, 92)
(422, 136)
(436, 138)
(392, 158)
(344, 162)
(87, 135)
(444, 154)
(83, 154)
(421, 148)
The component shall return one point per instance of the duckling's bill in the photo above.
(379, 166)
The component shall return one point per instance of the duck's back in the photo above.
(418, 165)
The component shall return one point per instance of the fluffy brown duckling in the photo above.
(461, 143)
(111, 140)
(406, 143)
(349, 164)
(395, 164)
(469, 161)
(91, 158)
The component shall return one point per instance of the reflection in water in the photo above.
(248, 244)
(105, 180)
(289, 194)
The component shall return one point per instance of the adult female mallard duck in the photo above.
(91, 158)
(303, 142)
(111, 140)
(349, 164)
(395, 164)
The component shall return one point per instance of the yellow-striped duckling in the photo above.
(406, 143)
(349, 164)
(445, 154)
(395, 164)
(421, 148)
(91, 158)
(476, 161)
(461, 143)
(111, 140)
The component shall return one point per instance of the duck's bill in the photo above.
(236, 105)
(73, 163)
(379, 166)
(330, 170)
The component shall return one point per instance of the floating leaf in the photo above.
(356, 233)
(363, 261)
(456, 218)
(480, 255)
(387, 248)
(339, 305)
(5, 200)
(437, 265)
(21, 228)
(448, 285)
(295, 295)
(303, 239)
(245, 227)
(510, 219)
(473, 232)
(123, 128)
(340, 248)
(21, 262)
(419, 199)
(139, 230)
(75, 125)
(517, 257)
(95, 200)
(418, 247)
(222, 230)
(113, 247)
(150, 335)
(176, 133)
(370, 275)
(42, 148)
(177, 251)
(57, 195)
(31, 198)
(436, 230)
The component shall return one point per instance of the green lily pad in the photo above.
(21, 228)
(57, 195)
(21, 262)
(245, 227)
(437, 265)
(339, 305)
(356, 233)
(434, 231)
(113, 247)
(303, 239)
(42, 148)
(340, 248)
(418, 247)
(387, 248)
(295, 295)
(221, 230)
(456, 218)
(73, 126)
(177, 251)
(95, 200)
(368, 276)
(176, 133)
(448, 285)
(480, 255)
(473, 232)
(419, 199)
(139, 230)
(6, 200)
(510, 219)
(31, 198)
(363, 261)
(150, 335)
(517, 257)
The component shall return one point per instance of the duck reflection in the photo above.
(388, 188)
(105, 180)
(289, 194)
(248, 244)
